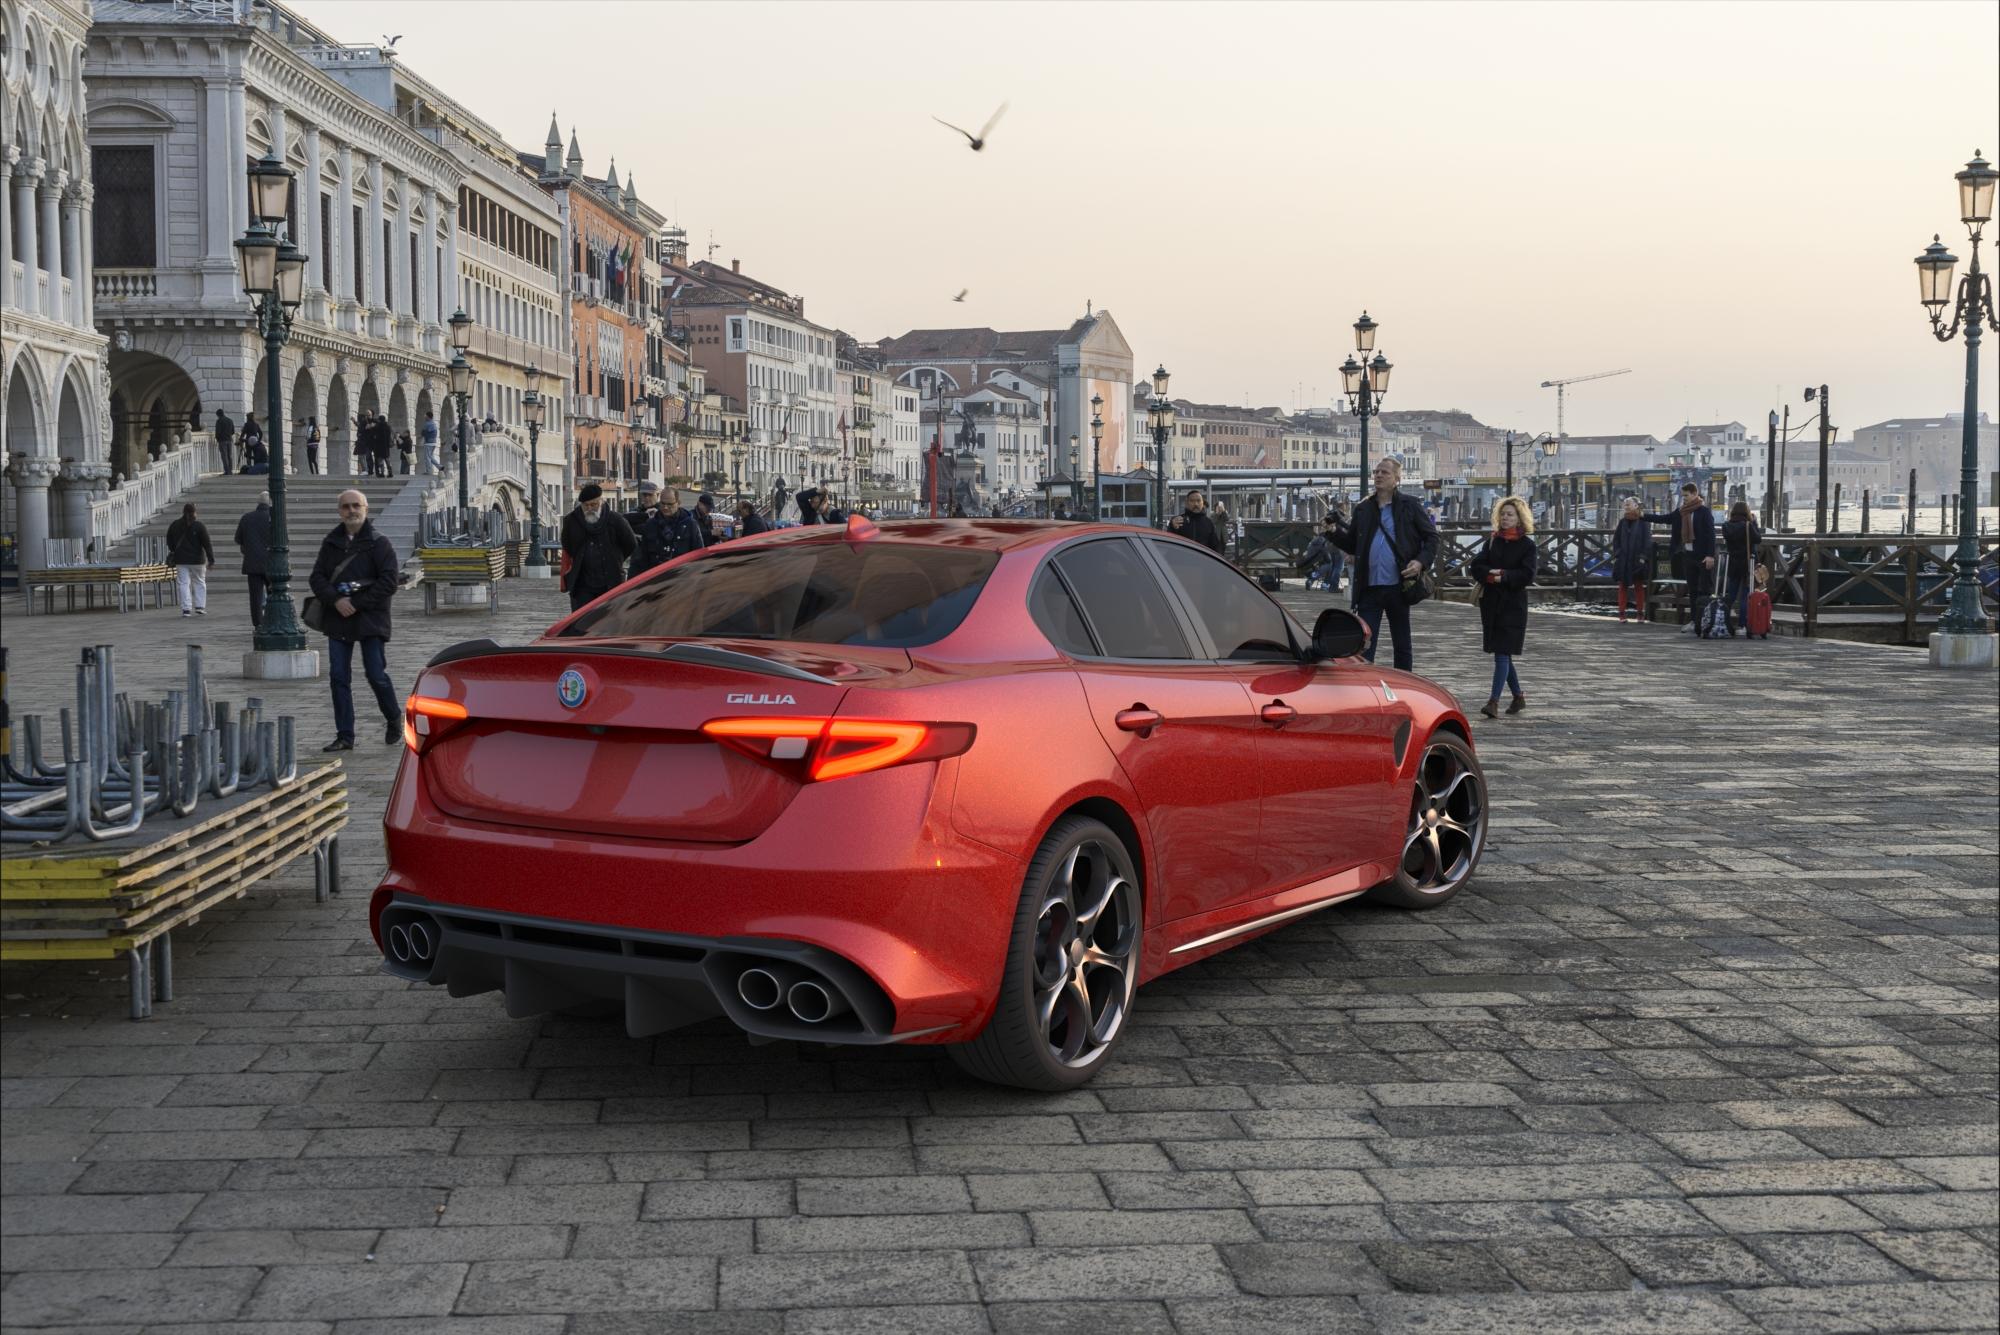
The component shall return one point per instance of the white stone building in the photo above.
(183, 97)
(54, 435)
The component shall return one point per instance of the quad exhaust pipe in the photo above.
(809, 998)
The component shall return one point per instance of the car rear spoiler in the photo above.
(681, 651)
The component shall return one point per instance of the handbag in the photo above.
(311, 611)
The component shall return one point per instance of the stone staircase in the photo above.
(395, 504)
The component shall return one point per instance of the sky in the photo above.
(1723, 197)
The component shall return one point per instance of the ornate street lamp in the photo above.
(1096, 448)
(1971, 306)
(1160, 416)
(462, 377)
(1365, 383)
(1544, 445)
(273, 272)
(531, 411)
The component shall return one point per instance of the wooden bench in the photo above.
(124, 896)
(134, 578)
(462, 566)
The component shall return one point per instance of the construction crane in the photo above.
(1557, 386)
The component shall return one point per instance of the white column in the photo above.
(343, 228)
(218, 176)
(372, 243)
(278, 141)
(51, 197)
(25, 182)
(6, 229)
(405, 224)
(239, 152)
(32, 475)
(449, 220)
(308, 192)
(427, 253)
(86, 200)
(72, 249)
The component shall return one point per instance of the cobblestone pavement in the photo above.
(1709, 1046)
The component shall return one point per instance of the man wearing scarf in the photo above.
(1693, 549)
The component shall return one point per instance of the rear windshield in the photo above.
(890, 594)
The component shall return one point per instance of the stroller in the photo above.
(1711, 619)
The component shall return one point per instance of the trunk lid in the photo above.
(605, 737)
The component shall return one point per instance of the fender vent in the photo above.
(1402, 741)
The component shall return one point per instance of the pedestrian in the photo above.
(597, 543)
(380, 444)
(253, 539)
(649, 502)
(190, 553)
(1632, 558)
(1501, 574)
(704, 518)
(253, 444)
(312, 446)
(1323, 559)
(406, 449)
(1740, 538)
(361, 441)
(748, 521)
(1392, 542)
(225, 440)
(353, 581)
(430, 440)
(1223, 530)
(808, 499)
(671, 532)
(1693, 550)
(1194, 523)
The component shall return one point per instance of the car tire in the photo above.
(1445, 829)
(1072, 965)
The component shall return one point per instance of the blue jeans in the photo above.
(1503, 675)
(340, 675)
(1370, 605)
(1736, 594)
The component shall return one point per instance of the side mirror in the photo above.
(1339, 634)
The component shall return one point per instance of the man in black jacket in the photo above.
(225, 440)
(671, 532)
(1692, 553)
(598, 542)
(253, 539)
(1193, 523)
(353, 580)
(1391, 540)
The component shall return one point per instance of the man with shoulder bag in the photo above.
(353, 581)
(1393, 543)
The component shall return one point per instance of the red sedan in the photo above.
(961, 782)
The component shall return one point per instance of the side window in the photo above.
(1124, 602)
(1059, 617)
(1239, 618)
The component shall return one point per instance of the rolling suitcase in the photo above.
(1758, 622)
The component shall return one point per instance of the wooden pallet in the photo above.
(125, 896)
(114, 579)
(460, 565)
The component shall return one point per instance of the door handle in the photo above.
(1277, 713)
(1138, 719)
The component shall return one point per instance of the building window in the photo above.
(124, 228)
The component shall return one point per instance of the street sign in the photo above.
(1433, 484)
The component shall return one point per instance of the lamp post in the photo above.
(736, 470)
(1075, 483)
(1160, 416)
(531, 409)
(1096, 447)
(1964, 637)
(1544, 446)
(274, 275)
(1366, 383)
(462, 377)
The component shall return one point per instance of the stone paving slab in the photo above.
(1710, 1045)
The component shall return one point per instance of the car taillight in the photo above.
(427, 718)
(835, 748)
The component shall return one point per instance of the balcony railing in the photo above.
(126, 284)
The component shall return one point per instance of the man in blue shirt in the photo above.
(1392, 540)
(430, 440)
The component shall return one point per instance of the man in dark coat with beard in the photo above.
(353, 581)
(598, 542)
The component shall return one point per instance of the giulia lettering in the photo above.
(739, 698)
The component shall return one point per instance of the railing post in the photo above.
(1812, 586)
(1913, 594)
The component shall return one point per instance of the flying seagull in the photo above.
(978, 141)
(387, 40)
(961, 294)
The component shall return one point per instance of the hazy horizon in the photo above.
(1726, 199)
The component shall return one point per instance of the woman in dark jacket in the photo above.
(1740, 538)
(190, 553)
(597, 542)
(1632, 557)
(1503, 570)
